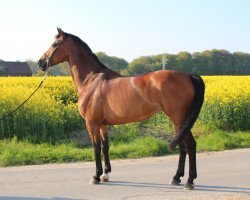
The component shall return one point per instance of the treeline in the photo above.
(209, 62)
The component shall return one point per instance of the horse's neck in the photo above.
(84, 68)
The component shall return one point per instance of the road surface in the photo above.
(221, 175)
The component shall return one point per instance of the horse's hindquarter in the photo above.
(129, 99)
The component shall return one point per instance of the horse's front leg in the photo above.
(94, 132)
(105, 151)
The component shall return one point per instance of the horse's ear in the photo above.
(60, 31)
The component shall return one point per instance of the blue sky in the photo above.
(124, 28)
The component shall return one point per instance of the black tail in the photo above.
(193, 113)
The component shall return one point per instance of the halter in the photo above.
(48, 58)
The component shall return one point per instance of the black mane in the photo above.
(86, 47)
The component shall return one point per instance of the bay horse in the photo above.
(107, 98)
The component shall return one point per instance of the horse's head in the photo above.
(56, 53)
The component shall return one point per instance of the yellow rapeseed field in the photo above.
(52, 112)
(227, 102)
(47, 116)
(227, 89)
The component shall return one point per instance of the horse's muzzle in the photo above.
(42, 65)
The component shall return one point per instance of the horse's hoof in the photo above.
(188, 186)
(104, 177)
(93, 181)
(175, 182)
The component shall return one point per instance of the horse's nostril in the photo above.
(40, 63)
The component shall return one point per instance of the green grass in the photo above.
(221, 140)
(140, 147)
(14, 152)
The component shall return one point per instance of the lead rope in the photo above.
(45, 76)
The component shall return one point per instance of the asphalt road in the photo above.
(221, 175)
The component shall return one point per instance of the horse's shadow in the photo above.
(206, 188)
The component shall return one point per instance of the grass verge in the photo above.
(221, 140)
(14, 152)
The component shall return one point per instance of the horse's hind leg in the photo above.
(105, 150)
(181, 165)
(177, 119)
(190, 145)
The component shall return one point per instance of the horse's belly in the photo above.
(131, 113)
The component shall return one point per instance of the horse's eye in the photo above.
(54, 45)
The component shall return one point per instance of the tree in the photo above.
(112, 62)
(241, 63)
(140, 65)
(2, 71)
(198, 63)
(184, 61)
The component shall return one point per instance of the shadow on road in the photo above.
(135, 184)
(207, 188)
(225, 189)
(33, 198)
